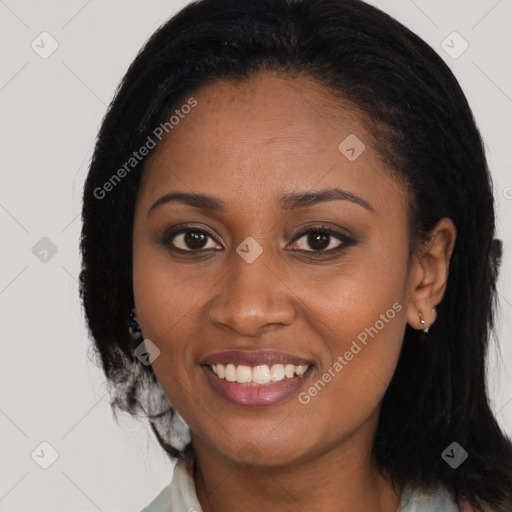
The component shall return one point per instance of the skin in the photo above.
(247, 144)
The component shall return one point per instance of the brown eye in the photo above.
(321, 240)
(189, 240)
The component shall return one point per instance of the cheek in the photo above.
(365, 291)
(363, 350)
(163, 296)
(162, 302)
(361, 316)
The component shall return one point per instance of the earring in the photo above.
(422, 320)
(133, 324)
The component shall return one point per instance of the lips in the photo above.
(254, 358)
(256, 395)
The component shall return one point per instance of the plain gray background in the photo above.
(51, 109)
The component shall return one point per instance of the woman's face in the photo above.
(247, 277)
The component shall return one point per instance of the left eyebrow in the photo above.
(294, 201)
(291, 201)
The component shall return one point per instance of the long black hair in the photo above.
(423, 129)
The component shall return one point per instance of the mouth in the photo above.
(258, 385)
(257, 375)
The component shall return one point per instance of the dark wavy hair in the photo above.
(423, 129)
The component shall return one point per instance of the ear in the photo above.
(429, 273)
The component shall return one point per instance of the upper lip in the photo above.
(254, 358)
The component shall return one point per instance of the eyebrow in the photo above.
(291, 201)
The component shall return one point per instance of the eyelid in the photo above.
(171, 233)
(345, 239)
(324, 227)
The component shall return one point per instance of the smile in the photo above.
(260, 374)
(276, 384)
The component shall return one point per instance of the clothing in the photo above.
(180, 495)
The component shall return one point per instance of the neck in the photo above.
(341, 478)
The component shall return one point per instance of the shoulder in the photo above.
(180, 495)
(434, 499)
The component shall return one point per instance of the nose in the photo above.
(252, 298)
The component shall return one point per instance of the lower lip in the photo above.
(256, 396)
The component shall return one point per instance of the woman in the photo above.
(290, 205)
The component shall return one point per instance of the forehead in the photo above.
(253, 140)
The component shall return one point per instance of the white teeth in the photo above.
(243, 373)
(260, 374)
(300, 370)
(289, 370)
(277, 372)
(230, 372)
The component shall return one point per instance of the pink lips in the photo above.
(255, 395)
(253, 358)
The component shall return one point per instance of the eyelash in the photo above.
(345, 240)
